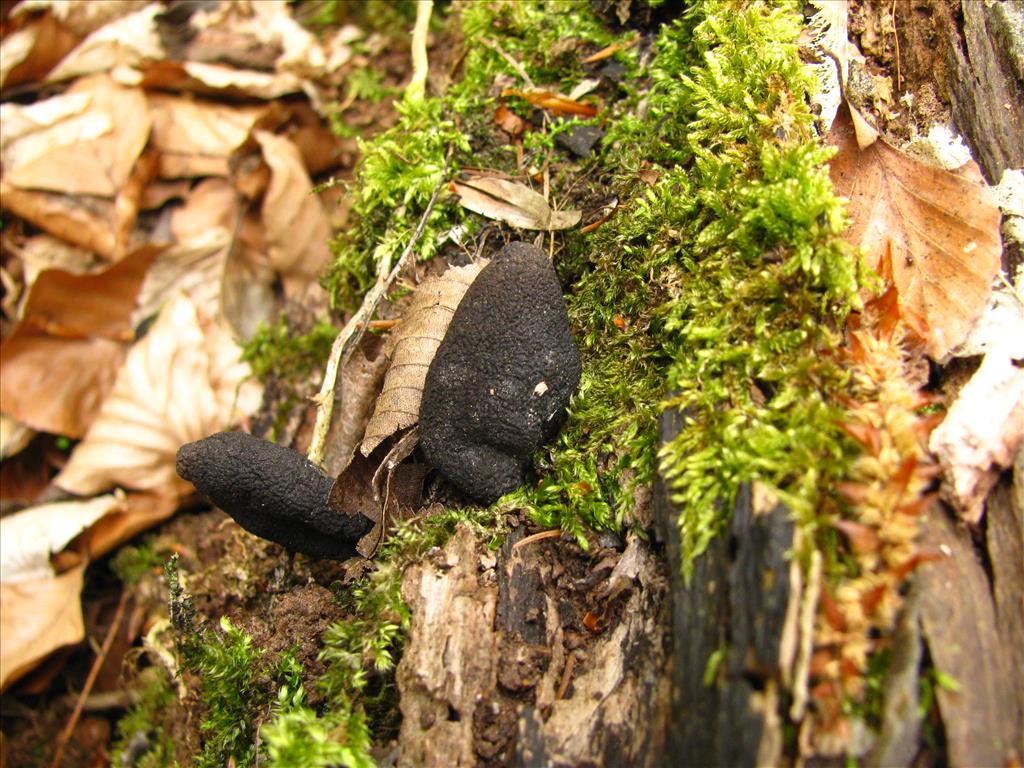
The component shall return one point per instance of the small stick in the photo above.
(563, 686)
(512, 62)
(108, 641)
(553, 533)
(355, 328)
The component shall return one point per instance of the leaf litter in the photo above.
(149, 222)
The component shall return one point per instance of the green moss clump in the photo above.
(277, 351)
(716, 291)
(397, 175)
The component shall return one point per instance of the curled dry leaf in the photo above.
(197, 138)
(29, 53)
(296, 224)
(509, 122)
(29, 537)
(91, 150)
(69, 344)
(82, 17)
(126, 41)
(183, 381)
(88, 222)
(203, 230)
(511, 202)
(412, 346)
(940, 230)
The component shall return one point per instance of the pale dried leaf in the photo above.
(939, 230)
(984, 427)
(203, 230)
(196, 138)
(82, 17)
(412, 346)
(126, 41)
(36, 618)
(69, 344)
(29, 537)
(14, 436)
(511, 202)
(183, 381)
(41, 252)
(28, 54)
(262, 85)
(293, 217)
(92, 152)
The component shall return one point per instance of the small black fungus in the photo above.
(273, 492)
(498, 387)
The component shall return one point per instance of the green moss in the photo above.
(715, 291)
(278, 351)
(232, 673)
(131, 563)
(397, 175)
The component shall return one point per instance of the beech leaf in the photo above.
(937, 230)
(91, 151)
(511, 202)
(70, 343)
(183, 381)
(412, 346)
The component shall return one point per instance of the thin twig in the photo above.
(101, 657)
(354, 329)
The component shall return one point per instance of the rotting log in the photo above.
(728, 626)
(538, 655)
(977, 49)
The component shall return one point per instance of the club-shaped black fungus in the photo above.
(273, 492)
(500, 382)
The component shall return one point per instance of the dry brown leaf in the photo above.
(87, 222)
(210, 79)
(36, 618)
(411, 348)
(126, 41)
(509, 122)
(29, 53)
(555, 103)
(296, 225)
(511, 202)
(82, 17)
(183, 381)
(197, 138)
(137, 513)
(92, 151)
(61, 360)
(940, 229)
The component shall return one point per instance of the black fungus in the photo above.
(273, 492)
(500, 382)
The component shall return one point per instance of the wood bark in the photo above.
(540, 655)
